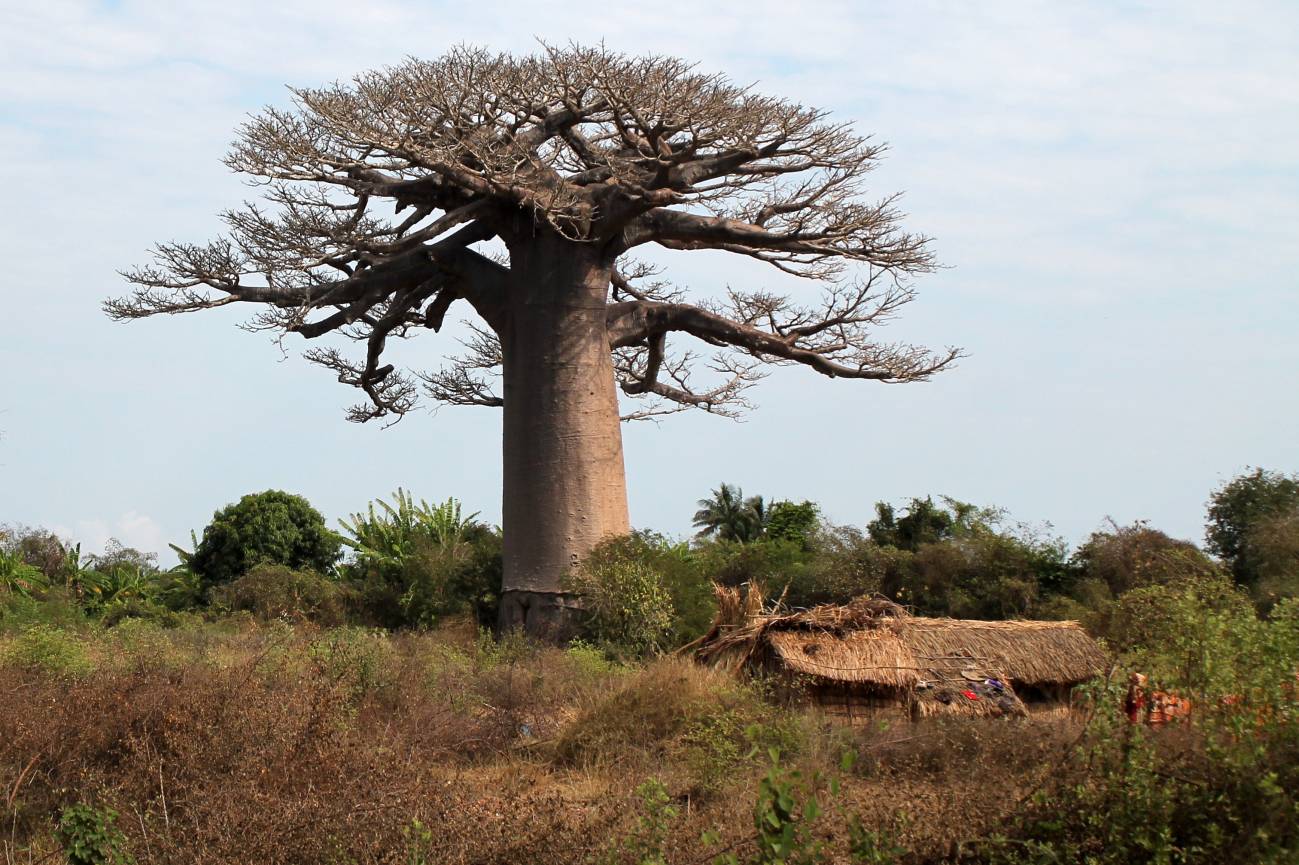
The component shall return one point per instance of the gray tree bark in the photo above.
(564, 484)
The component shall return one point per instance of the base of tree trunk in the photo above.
(551, 617)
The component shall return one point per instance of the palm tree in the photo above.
(730, 516)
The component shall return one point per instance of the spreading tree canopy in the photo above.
(381, 192)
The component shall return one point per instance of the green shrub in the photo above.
(512, 648)
(278, 592)
(419, 843)
(139, 643)
(738, 728)
(53, 607)
(49, 650)
(137, 609)
(589, 659)
(787, 812)
(680, 571)
(714, 747)
(626, 609)
(273, 527)
(90, 836)
(784, 816)
(644, 846)
(1223, 787)
(1175, 629)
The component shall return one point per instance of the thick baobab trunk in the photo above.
(564, 488)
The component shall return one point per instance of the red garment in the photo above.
(1134, 704)
(970, 695)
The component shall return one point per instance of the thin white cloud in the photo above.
(130, 529)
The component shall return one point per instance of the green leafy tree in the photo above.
(41, 549)
(388, 536)
(1123, 558)
(1272, 549)
(180, 587)
(985, 576)
(729, 516)
(923, 522)
(795, 522)
(770, 564)
(1241, 505)
(122, 576)
(17, 576)
(118, 557)
(965, 562)
(271, 527)
(845, 564)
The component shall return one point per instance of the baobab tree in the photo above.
(521, 186)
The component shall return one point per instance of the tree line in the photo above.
(406, 563)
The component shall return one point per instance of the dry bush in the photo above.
(996, 749)
(270, 591)
(234, 742)
(285, 746)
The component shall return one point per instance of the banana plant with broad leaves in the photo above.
(83, 584)
(180, 588)
(385, 537)
(19, 578)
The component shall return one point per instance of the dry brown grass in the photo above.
(279, 745)
(637, 721)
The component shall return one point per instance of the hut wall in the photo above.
(854, 703)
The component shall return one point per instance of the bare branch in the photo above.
(465, 381)
(813, 245)
(837, 350)
(641, 371)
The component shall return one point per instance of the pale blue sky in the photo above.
(1114, 188)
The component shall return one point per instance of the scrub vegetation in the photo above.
(292, 692)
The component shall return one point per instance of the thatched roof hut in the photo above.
(872, 654)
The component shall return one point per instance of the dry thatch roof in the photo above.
(874, 641)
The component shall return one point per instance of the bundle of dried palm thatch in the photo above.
(740, 627)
